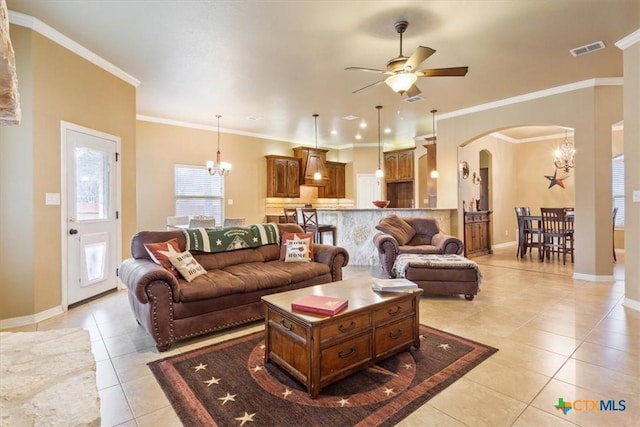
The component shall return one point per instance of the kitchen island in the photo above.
(356, 228)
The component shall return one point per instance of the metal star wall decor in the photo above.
(554, 180)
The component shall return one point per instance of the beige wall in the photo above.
(591, 112)
(55, 85)
(161, 146)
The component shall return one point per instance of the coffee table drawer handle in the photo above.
(395, 336)
(347, 354)
(391, 312)
(343, 328)
(290, 327)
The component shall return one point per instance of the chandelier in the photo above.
(564, 155)
(218, 168)
(379, 172)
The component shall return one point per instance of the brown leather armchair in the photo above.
(412, 236)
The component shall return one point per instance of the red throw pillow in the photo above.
(294, 236)
(160, 252)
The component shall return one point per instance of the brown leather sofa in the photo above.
(411, 235)
(172, 309)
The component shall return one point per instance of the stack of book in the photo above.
(393, 285)
(319, 304)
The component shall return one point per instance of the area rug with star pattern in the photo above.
(229, 384)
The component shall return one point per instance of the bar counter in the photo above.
(356, 228)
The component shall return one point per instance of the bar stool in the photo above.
(291, 215)
(310, 223)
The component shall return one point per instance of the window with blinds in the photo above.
(617, 180)
(197, 192)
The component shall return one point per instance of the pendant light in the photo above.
(218, 168)
(316, 175)
(379, 172)
(434, 173)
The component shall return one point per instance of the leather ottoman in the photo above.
(440, 274)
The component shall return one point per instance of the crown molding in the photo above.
(629, 40)
(600, 81)
(40, 27)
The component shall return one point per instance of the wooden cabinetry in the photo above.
(318, 351)
(312, 160)
(477, 240)
(399, 177)
(398, 165)
(336, 186)
(283, 176)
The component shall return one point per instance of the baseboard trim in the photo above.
(631, 303)
(593, 278)
(16, 322)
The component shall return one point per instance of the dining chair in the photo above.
(529, 231)
(175, 222)
(614, 213)
(234, 222)
(202, 223)
(557, 234)
(291, 215)
(310, 223)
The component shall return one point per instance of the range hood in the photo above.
(313, 160)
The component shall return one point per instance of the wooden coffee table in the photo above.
(319, 350)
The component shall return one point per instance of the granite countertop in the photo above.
(383, 209)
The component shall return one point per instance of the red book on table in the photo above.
(320, 304)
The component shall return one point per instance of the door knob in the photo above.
(73, 231)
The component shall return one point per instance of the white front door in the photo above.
(91, 212)
(368, 189)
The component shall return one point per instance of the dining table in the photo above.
(533, 225)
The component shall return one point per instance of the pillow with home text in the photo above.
(285, 237)
(186, 264)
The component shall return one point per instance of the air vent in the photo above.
(413, 99)
(583, 50)
(351, 117)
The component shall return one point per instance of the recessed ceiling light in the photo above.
(358, 136)
(363, 125)
(387, 130)
(334, 132)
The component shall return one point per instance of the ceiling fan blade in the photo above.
(417, 57)
(413, 91)
(368, 86)
(443, 72)
(369, 70)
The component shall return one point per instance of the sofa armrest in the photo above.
(138, 274)
(447, 244)
(388, 249)
(336, 257)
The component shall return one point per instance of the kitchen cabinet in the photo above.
(283, 176)
(336, 187)
(477, 239)
(398, 165)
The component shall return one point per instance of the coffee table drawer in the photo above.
(340, 357)
(394, 335)
(288, 326)
(342, 328)
(393, 311)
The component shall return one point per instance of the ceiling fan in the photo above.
(402, 77)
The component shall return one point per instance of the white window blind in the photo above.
(197, 192)
(617, 191)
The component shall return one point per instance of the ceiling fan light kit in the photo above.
(401, 70)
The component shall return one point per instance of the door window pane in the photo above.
(92, 184)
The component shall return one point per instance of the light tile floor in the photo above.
(557, 337)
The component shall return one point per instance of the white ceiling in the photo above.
(267, 66)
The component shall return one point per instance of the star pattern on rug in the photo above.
(343, 402)
(200, 367)
(246, 417)
(257, 368)
(287, 391)
(407, 366)
(212, 381)
(444, 346)
(228, 398)
(388, 391)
